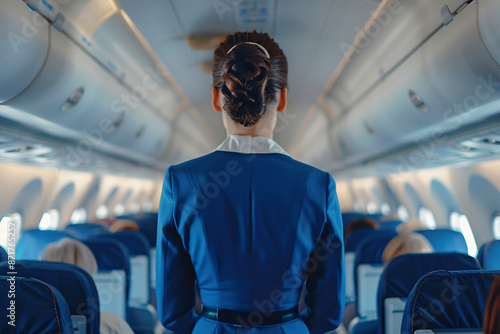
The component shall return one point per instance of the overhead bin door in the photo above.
(24, 43)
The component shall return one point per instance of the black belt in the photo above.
(249, 319)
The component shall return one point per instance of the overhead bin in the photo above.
(24, 43)
(488, 15)
(394, 32)
(75, 98)
(104, 30)
(449, 81)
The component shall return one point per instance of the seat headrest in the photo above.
(354, 239)
(445, 240)
(370, 249)
(38, 308)
(85, 230)
(135, 242)
(348, 217)
(33, 242)
(401, 274)
(148, 223)
(491, 260)
(110, 254)
(390, 224)
(75, 285)
(448, 300)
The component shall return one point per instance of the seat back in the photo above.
(75, 285)
(148, 223)
(33, 242)
(3, 254)
(390, 224)
(480, 255)
(86, 230)
(400, 276)
(113, 276)
(348, 217)
(491, 257)
(445, 240)
(37, 307)
(351, 243)
(139, 250)
(448, 301)
(368, 268)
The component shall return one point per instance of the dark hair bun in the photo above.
(246, 77)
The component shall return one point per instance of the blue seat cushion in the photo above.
(448, 300)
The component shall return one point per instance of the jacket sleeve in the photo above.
(175, 276)
(325, 286)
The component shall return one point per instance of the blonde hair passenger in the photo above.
(73, 252)
(412, 224)
(405, 244)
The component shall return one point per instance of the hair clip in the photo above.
(260, 46)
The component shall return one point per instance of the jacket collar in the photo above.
(250, 145)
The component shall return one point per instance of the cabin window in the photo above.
(102, 212)
(496, 226)
(78, 216)
(385, 209)
(50, 220)
(10, 229)
(403, 213)
(425, 216)
(134, 208)
(371, 207)
(459, 222)
(119, 209)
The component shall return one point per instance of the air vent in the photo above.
(21, 149)
(368, 127)
(139, 132)
(417, 101)
(27, 151)
(116, 123)
(73, 99)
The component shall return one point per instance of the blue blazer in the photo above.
(250, 229)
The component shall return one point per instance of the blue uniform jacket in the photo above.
(250, 225)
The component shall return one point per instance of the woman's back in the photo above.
(249, 223)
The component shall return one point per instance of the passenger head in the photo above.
(73, 252)
(406, 244)
(412, 224)
(360, 224)
(250, 74)
(124, 225)
(491, 324)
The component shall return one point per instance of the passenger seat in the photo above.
(38, 307)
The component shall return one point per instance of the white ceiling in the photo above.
(313, 35)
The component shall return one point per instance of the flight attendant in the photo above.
(249, 223)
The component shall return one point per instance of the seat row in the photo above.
(123, 284)
(403, 296)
